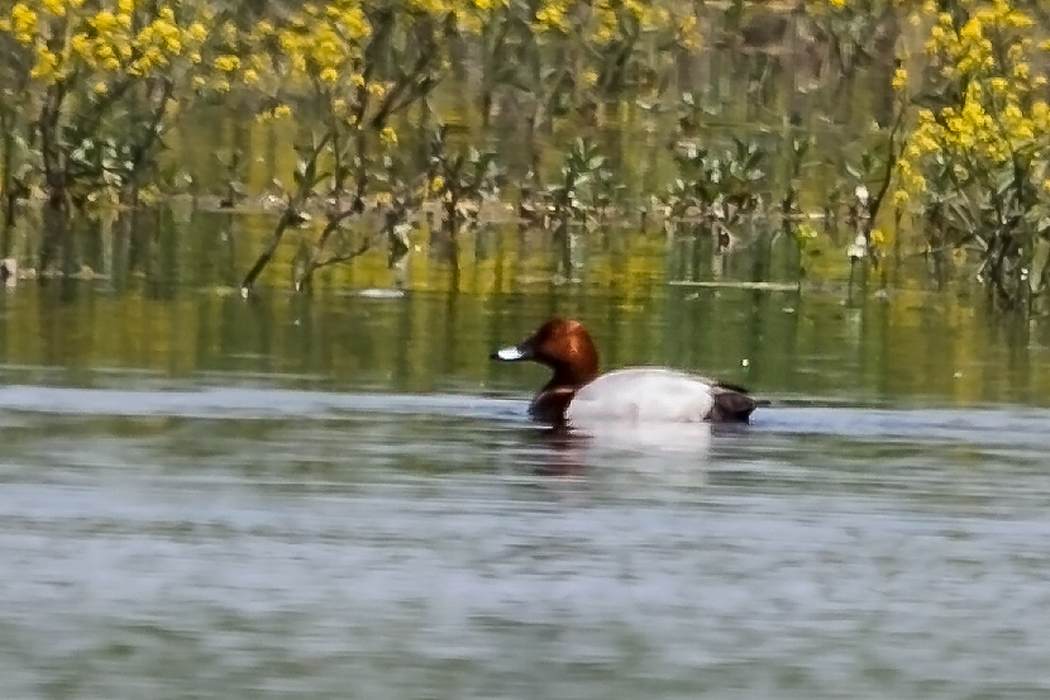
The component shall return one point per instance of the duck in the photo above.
(577, 394)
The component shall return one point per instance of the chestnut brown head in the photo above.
(562, 344)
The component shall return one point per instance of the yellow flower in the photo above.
(1041, 111)
(55, 7)
(227, 63)
(100, 88)
(46, 66)
(23, 23)
(329, 75)
(282, 111)
(900, 79)
(229, 32)
(104, 22)
(552, 17)
(103, 50)
(197, 32)
(388, 136)
(80, 44)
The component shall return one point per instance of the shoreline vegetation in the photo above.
(873, 130)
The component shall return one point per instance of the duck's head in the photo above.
(562, 344)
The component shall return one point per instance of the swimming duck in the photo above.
(576, 394)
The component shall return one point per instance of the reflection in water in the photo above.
(908, 346)
(668, 453)
(667, 438)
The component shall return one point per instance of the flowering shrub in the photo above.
(975, 168)
(91, 88)
(96, 84)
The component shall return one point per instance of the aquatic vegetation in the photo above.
(96, 87)
(438, 110)
(463, 181)
(717, 188)
(975, 168)
(964, 144)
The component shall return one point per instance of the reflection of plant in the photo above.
(789, 206)
(802, 232)
(804, 235)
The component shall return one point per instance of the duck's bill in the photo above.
(511, 354)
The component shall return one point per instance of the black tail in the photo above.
(732, 404)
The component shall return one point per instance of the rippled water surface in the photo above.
(343, 499)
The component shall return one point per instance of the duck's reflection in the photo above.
(665, 451)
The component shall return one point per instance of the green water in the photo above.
(339, 496)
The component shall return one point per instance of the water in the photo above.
(341, 498)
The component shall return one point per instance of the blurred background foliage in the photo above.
(848, 140)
